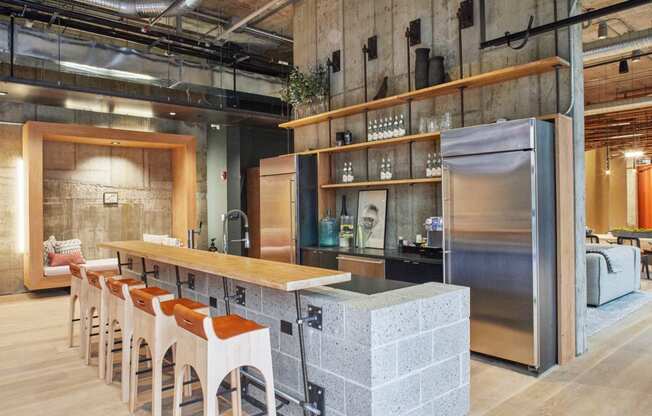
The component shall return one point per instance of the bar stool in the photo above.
(215, 347)
(76, 296)
(154, 324)
(119, 311)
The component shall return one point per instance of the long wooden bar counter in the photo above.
(271, 274)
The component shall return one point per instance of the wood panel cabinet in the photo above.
(319, 258)
(362, 266)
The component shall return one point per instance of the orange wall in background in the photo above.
(645, 196)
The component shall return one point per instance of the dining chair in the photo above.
(636, 242)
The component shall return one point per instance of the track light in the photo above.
(636, 55)
(623, 67)
(603, 30)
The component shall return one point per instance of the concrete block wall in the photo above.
(324, 26)
(11, 261)
(404, 352)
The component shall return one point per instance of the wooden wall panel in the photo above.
(565, 239)
(645, 197)
(35, 133)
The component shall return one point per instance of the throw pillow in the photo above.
(48, 247)
(68, 246)
(56, 259)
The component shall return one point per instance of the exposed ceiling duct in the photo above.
(145, 8)
(620, 45)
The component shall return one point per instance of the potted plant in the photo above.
(306, 92)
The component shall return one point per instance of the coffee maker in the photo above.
(434, 231)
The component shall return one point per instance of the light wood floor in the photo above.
(40, 375)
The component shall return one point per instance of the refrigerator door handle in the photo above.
(447, 232)
(293, 219)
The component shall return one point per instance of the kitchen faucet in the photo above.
(233, 215)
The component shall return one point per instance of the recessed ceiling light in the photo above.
(636, 55)
(115, 143)
(3, 93)
(172, 113)
(215, 126)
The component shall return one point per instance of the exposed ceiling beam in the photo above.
(617, 106)
(278, 4)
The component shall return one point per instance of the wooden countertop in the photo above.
(272, 274)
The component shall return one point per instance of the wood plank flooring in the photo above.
(40, 375)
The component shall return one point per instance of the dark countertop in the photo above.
(370, 285)
(379, 254)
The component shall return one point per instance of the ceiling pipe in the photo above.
(607, 48)
(145, 8)
(277, 4)
(208, 17)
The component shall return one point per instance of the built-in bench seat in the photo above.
(93, 265)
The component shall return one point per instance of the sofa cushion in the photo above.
(58, 259)
(48, 247)
(68, 246)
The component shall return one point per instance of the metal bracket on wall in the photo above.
(129, 263)
(146, 273)
(314, 318)
(336, 61)
(240, 296)
(317, 394)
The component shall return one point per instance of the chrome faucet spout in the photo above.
(233, 215)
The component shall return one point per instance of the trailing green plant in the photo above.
(303, 88)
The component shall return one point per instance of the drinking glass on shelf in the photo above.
(445, 121)
(432, 125)
(423, 124)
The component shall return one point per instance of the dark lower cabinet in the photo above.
(319, 258)
(413, 271)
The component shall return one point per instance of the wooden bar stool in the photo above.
(96, 299)
(216, 347)
(154, 324)
(119, 311)
(76, 296)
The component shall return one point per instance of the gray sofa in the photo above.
(606, 282)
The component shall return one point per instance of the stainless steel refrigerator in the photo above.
(500, 236)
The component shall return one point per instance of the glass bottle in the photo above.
(429, 166)
(370, 130)
(346, 226)
(401, 126)
(328, 235)
(374, 131)
(351, 177)
(382, 170)
(388, 170)
(437, 170)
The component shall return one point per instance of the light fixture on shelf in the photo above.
(623, 67)
(634, 154)
(603, 30)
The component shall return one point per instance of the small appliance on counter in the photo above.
(343, 138)
(434, 232)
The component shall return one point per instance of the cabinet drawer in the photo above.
(414, 271)
(362, 266)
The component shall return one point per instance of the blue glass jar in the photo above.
(328, 231)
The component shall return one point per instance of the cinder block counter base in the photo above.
(399, 353)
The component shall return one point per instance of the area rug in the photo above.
(608, 314)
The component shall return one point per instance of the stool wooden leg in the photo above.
(211, 407)
(179, 376)
(110, 344)
(87, 337)
(125, 365)
(83, 324)
(264, 365)
(157, 383)
(103, 328)
(236, 396)
(133, 378)
(71, 315)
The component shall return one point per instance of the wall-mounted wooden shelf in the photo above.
(493, 77)
(380, 183)
(422, 137)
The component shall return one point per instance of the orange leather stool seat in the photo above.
(168, 306)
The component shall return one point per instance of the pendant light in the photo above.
(603, 30)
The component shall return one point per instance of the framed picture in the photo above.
(372, 218)
(110, 198)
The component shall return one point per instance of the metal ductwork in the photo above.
(145, 8)
(621, 45)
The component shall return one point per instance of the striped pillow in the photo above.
(48, 247)
(68, 246)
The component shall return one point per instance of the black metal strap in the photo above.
(525, 39)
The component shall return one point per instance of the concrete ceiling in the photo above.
(280, 22)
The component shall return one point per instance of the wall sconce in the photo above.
(623, 67)
(636, 55)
